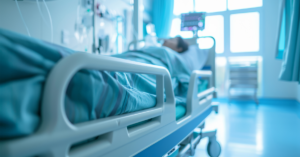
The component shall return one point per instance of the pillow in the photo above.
(194, 57)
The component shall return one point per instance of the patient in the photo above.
(177, 44)
(192, 57)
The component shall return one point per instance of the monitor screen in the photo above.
(193, 21)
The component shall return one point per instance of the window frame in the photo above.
(227, 52)
(226, 15)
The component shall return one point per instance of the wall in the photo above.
(63, 14)
(273, 87)
(298, 93)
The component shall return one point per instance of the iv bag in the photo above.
(151, 38)
(150, 28)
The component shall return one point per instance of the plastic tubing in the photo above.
(22, 18)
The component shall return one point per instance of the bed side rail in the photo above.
(195, 99)
(57, 134)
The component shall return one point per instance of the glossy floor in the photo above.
(271, 129)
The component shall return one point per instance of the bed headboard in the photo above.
(210, 62)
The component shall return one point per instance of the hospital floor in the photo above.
(271, 129)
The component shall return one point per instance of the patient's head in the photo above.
(176, 44)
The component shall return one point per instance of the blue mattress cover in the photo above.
(91, 94)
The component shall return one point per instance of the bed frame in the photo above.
(112, 136)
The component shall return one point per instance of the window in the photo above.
(243, 27)
(221, 64)
(214, 26)
(243, 4)
(205, 43)
(175, 30)
(244, 32)
(210, 5)
(235, 25)
(183, 6)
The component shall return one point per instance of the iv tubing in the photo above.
(22, 18)
(44, 19)
(51, 24)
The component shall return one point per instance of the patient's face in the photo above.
(172, 43)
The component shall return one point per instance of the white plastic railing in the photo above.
(193, 97)
(57, 134)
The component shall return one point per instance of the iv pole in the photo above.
(94, 29)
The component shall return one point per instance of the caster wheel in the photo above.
(213, 149)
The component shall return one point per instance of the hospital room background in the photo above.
(258, 109)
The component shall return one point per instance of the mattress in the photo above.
(91, 94)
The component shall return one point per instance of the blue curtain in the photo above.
(291, 57)
(282, 37)
(162, 17)
(284, 28)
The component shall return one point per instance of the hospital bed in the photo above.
(190, 139)
(116, 136)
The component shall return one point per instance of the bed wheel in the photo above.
(213, 148)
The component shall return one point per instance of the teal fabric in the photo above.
(162, 17)
(284, 28)
(26, 62)
(291, 58)
(203, 85)
(282, 37)
(180, 111)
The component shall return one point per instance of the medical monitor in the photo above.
(193, 21)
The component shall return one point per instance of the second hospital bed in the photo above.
(116, 135)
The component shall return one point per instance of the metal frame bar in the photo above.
(190, 143)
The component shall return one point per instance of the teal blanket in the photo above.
(25, 63)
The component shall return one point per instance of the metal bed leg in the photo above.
(215, 108)
(192, 148)
(210, 134)
(213, 146)
(202, 126)
(190, 143)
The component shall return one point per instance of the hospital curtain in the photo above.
(291, 57)
(162, 17)
(286, 13)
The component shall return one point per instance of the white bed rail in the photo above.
(56, 134)
(114, 138)
(196, 100)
